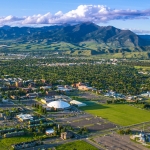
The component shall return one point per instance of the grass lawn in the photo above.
(121, 114)
(6, 143)
(144, 68)
(77, 145)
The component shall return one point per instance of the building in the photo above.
(66, 135)
(46, 87)
(84, 88)
(24, 117)
(146, 94)
(5, 100)
(59, 104)
(13, 97)
(65, 88)
(47, 100)
(19, 83)
(1, 116)
(31, 84)
(26, 89)
(49, 131)
(79, 104)
(23, 145)
(32, 95)
(12, 134)
(51, 93)
(141, 137)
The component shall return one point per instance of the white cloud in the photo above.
(139, 31)
(9, 19)
(93, 13)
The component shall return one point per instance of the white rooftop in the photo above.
(77, 103)
(58, 104)
(25, 117)
(50, 131)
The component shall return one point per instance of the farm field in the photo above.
(120, 114)
(77, 145)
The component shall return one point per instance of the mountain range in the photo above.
(83, 35)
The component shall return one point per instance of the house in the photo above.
(13, 97)
(19, 83)
(46, 87)
(50, 93)
(32, 95)
(31, 84)
(26, 89)
(66, 135)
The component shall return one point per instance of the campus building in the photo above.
(59, 105)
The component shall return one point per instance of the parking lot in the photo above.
(92, 123)
(118, 142)
(11, 123)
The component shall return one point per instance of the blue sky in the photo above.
(129, 14)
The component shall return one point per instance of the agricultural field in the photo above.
(121, 114)
(7, 142)
(77, 145)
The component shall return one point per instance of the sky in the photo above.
(123, 14)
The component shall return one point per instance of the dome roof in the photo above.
(58, 104)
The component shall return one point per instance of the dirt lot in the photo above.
(118, 142)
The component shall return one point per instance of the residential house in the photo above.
(51, 93)
(46, 87)
(32, 95)
(19, 83)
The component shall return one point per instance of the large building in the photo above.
(79, 104)
(59, 104)
(24, 117)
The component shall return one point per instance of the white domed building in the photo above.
(59, 105)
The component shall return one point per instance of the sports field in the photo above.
(121, 114)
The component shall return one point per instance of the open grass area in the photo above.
(6, 143)
(144, 68)
(77, 145)
(121, 114)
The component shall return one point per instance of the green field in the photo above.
(121, 114)
(144, 68)
(77, 145)
(6, 143)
